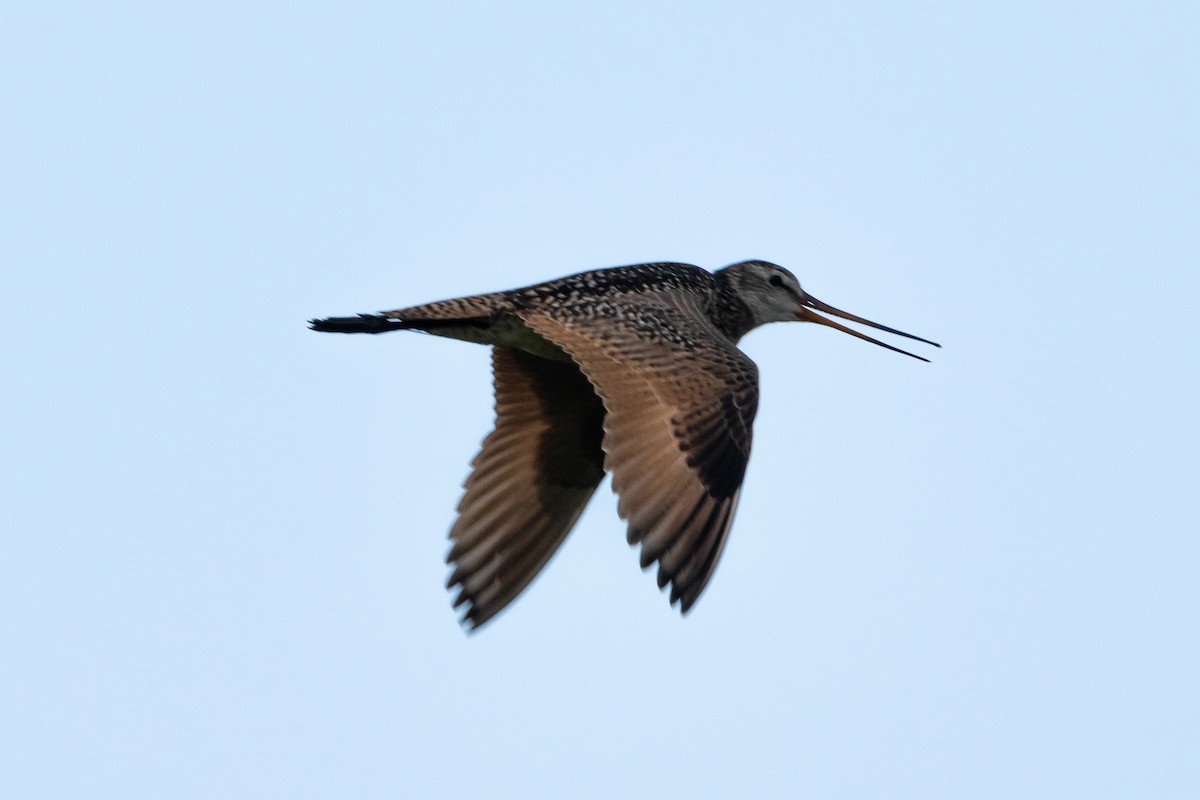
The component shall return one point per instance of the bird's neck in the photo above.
(729, 312)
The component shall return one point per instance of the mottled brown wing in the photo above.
(529, 483)
(681, 400)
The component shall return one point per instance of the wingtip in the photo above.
(471, 622)
(687, 601)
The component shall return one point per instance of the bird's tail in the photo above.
(442, 317)
(363, 323)
(378, 323)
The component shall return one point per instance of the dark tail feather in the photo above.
(363, 323)
(375, 323)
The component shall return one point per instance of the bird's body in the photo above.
(631, 370)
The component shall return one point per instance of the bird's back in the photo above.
(495, 318)
(580, 287)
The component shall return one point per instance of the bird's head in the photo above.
(772, 294)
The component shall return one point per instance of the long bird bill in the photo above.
(808, 314)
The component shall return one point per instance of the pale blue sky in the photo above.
(223, 534)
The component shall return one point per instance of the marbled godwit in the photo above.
(631, 370)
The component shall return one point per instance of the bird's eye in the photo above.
(775, 280)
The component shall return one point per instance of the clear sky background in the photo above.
(221, 572)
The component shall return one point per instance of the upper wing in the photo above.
(681, 400)
(530, 482)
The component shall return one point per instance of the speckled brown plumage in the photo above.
(632, 370)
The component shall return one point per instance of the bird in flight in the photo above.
(630, 370)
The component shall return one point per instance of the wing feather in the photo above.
(530, 482)
(680, 401)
